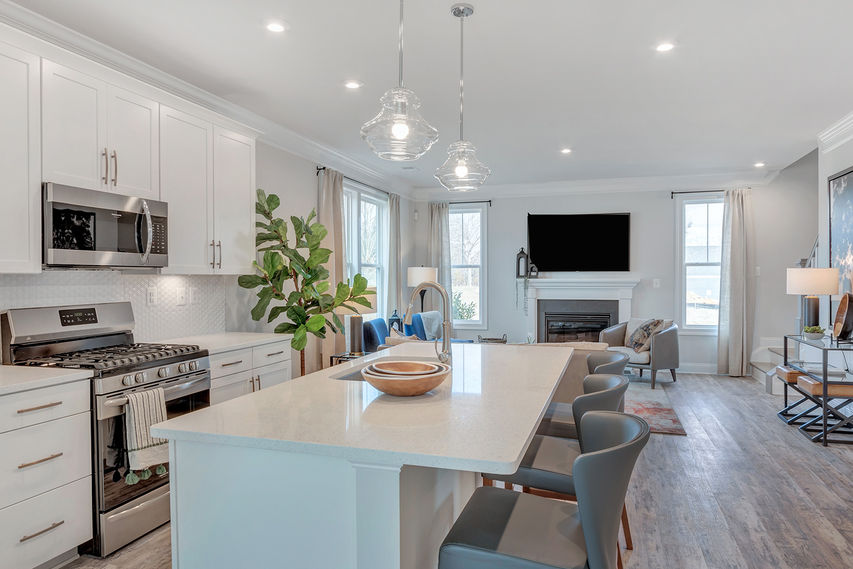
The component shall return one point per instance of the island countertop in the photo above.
(481, 420)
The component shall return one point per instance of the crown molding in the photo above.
(836, 134)
(269, 132)
(719, 181)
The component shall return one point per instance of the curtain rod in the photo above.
(478, 201)
(321, 168)
(673, 194)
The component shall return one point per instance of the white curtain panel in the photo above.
(331, 215)
(737, 285)
(438, 247)
(395, 262)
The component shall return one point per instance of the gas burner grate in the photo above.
(114, 356)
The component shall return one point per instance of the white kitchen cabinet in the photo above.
(98, 136)
(231, 386)
(20, 157)
(273, 374)
(233, 201)
(186, 184)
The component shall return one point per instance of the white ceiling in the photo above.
(748, 81)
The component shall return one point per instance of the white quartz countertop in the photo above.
(482, 420)
(23, 378)
(227, 341)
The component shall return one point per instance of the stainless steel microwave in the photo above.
(90, 229)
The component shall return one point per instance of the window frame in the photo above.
(482, 209)
(352, 242)
(681, 265)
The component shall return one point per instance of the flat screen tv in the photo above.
(580, 242)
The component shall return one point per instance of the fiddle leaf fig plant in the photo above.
(292, 281)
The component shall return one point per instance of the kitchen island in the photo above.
(327, 472)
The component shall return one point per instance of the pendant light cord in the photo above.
(461, 74)
(400, 50)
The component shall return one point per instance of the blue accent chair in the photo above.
(375, 331)
(417, 328)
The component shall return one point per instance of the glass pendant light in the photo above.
(399, 132)
(462, 172)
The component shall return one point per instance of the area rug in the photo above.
(652, 405)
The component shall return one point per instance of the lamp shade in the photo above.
(812, 281)
(370, 294)
(417, 275)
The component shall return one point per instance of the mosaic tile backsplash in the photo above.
(204, 312)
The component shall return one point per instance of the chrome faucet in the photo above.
(444, 356)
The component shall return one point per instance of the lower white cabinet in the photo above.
(238, 372)
(45, 473)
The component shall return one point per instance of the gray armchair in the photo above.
(662, 354)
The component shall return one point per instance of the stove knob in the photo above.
(182, 368)
(193, 366)
(163, 372)
(127, 380)
(140, 377)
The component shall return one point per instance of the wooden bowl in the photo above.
(406, 385)
(403, 368)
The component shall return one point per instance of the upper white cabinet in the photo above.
(233, 201)
(186, 184)
(20, 179)
(98, 136)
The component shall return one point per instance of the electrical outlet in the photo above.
(655, 283)
(181, 296)
(152, 295)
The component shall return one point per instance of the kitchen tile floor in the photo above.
(741, 490)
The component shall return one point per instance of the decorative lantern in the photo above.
(521, 262)
(395, 322)
(533, 272)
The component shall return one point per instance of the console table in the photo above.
(831, 418)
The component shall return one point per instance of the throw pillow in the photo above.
(642, 337)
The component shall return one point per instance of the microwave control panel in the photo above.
(161, 236)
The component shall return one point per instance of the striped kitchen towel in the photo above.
(143, 409)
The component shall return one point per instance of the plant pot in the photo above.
(813, 335)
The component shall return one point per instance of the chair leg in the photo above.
(654, 375)
(626, 529)
(672, 371)
(640, 371)
(618, 556)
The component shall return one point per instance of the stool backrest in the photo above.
(606, 362)
(601, 475)
(602, 392)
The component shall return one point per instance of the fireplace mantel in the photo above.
(580, 286)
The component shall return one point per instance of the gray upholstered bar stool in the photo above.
(559, 421)
(499, 529)
(546, 468)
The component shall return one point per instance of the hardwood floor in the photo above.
(741, 490)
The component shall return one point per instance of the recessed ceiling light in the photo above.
(276, 26)
(759, 164)
(665, 46)
(353, 84)
(566, 151)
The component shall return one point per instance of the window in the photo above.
(366, 232)
(467, 264)
(701, 223)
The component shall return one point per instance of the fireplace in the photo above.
(575, 320)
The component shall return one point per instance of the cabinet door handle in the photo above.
(213, 250)
(252, 381)
(114, 156)
(106, 166)
(278, 353)
(39, 461)
(40, 407)
(219, 244)
(229, 364)
(259, 382)
(54, 525)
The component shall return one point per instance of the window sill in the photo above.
(458, 325)
(683, 331)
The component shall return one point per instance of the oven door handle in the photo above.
(149, 232)
(120, 401)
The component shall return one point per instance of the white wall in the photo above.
(785, 230)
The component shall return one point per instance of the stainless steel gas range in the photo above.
(100, 337)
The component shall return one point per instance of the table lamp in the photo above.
(356, 321)
(417, 275)
(809, 282)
